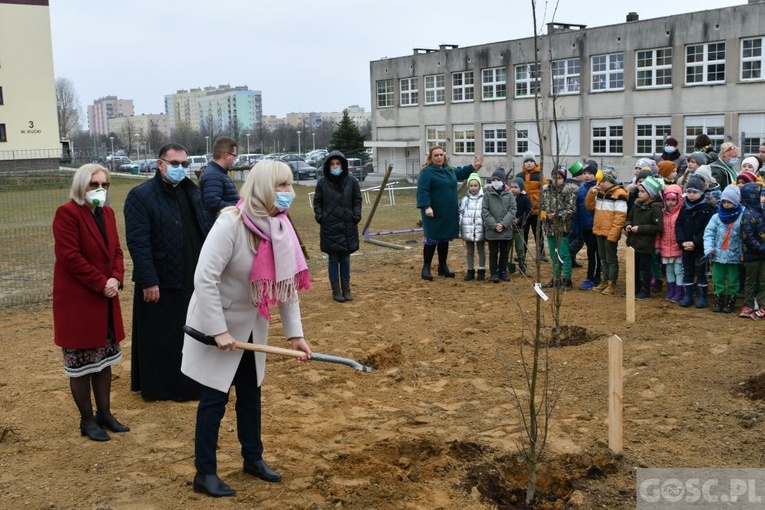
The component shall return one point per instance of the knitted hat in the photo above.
(519, 182)
(529, 156)
(609, 174)
(653, 187)
(643, 174)
(576, 168)
(705, 173)
(746, 177)
(559, 171)
(499, 173)
(696, 183)
(475, 177)
(647, 164)
(590, 166)
(666, 168)
(671, 141)
(732, 194)
(699, 157)
(752, 161)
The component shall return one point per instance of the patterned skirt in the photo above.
(79, 362)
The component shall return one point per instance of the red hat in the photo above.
(671, 141)
(746, 177)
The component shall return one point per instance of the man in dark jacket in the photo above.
(218, 190)
(165, 228)
(337, 207)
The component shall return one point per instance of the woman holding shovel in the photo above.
(251, 260)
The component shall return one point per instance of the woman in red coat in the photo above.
(87, 276)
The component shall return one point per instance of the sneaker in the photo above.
(522, 270)
(643, 294)
(746, 312)
(609, 290)
(587, 285)
(759, 314)
(494, 278)
(601, 286)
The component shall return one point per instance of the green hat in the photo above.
(475, 177)
(576, 168)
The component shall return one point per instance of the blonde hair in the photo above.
(81, 181)
(725, 147)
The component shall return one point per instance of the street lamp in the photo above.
(298, 142)
(297, 161)
(138, 149)
(112, 159)
(313, 136)
(207, 144)
(248, 142)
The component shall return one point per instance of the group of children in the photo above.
(682, 230)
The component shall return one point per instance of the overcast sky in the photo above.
(304, 55)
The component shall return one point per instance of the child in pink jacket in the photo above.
(666, 243)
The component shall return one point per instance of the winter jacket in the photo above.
(437, 188)
(218, 191)
(610, 212)
(666, 242)
(498, 207)
(723, 173)
(557, 208)
(752, 223)
(692, 221)
(722, 241)
(650, 221)
(153, 233)
(337, 208)
(523, 209)
(471, 221)
(583, 219)
(533, 181)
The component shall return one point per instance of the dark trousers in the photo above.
(694, 268)
(212, 407)
(645, 273)
(593, 257)
(531, 224)
(339, 265)
(498, 255)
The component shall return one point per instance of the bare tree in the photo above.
(68, 108)
(155, 138)
(127, 134)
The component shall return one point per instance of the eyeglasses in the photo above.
(96, 184)
(184, 164)
(231, 154)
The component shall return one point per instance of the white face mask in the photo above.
(497, 185)
(96, 197)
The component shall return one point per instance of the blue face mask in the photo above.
(283, 200)
(669, 149)
(336, 171)
(175, 174)
(733, 161)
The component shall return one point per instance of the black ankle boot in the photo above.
(470, 275)
(426, 273)
(480, 275)
(445, 271)
(337, 293)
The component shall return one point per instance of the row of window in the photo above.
(606, 136)
(704, 65)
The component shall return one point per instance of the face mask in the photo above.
(669, 149)
(96, 197)
(733, 161)
(175, 174)
(497, 185)
(283, 200)
(336, 171)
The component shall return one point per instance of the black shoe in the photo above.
(480, 275)
(93, 431)
(565, 283)
(445, 271)
(543, 258)
(551, 284)
(470, 275)
(504, 277)
(261, 470)
(426, 273)
(643, 294)
(111, 424)
(494, 278)
(212, 486)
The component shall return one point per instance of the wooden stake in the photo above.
(615, 377)
(630, 285)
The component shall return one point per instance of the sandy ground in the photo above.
(434, 426)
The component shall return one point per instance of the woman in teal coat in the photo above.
(437, 201)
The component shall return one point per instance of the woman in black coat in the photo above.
(337, 206)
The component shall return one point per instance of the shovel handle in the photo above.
(270, 349)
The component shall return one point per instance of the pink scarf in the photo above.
(279, 269)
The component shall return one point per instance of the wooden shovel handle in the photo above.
(270, 349)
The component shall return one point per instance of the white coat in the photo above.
(471, 221)
(222, 302)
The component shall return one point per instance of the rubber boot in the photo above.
(671, 288)
(346, 286)
(337, 294)
(679, 291)
(702, 301)
(688, 296)
(426, 273)
(481, 275)
(730, 304)
(470, 275)
(720, 301)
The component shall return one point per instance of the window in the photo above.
(649, 135)
(526, 138)
(384, 93)
(751, 59)
(568, 133)
(435, 91)
(494, 83)
(713, 126)
(527, 80)
(705, 63)
(653, 68)
(463, 87)
(435, 135)
(464, 140)
(608, 72)
(409, 92)
(752, 130)
(607, 137)
(566, 78)
(495, 139)
(2, 133)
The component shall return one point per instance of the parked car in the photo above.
(197, 165)
(356, 168)
(302, 170)
(114, 163)
(288, 158)
(147, 165)
(130, 166)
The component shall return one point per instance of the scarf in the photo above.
(279, 269)
(728, 215)
(691, 205)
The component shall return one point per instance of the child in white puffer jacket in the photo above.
(471, 227)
